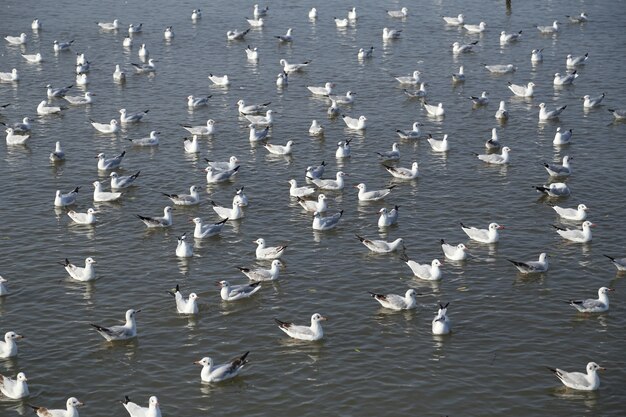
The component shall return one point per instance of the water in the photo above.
(506, 327)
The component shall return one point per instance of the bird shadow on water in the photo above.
(590, 398)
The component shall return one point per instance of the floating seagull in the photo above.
(343, 149)
(549, 30)
(454, 20)
(399, 14)
(62, 46)
(135, 410)
(234, 213)
(421, 93)
(404, 173)
(109, 26)
(165, 221)
(191, 145)
(382, 246)
(410, 134)
(268, 252)
(555, 189)
(3, 289)
(62, 200)
(14, 389)
(35, 25)
(111, 163)
(251, 109)
(284, 150)
(309, 333)
(352, 14)
(581, 18)
(16, 40)
(195, 102)
(237, 292)
(82, 79)
(252, 54)
(365, 53)
(13, 138)
(523, 90)
(196, 14)
(8, 348)
(111, 127)
(287, 37)
(388, 218)
(71, 406)
(536, 55)
(222, 372)
(576, 235)
(441, 323)
(620, 263)
(152, 140)
(563, 170)
(207, 130)
(202, 231)
(312, 206)
(80, 100)
(135, 29)
(240, 197)
(501, 68)
(122, 181)
(326, 223)
(183, 248)
(479, 28)
(316, 129)
(126, 117)
(454, 253)
(221, 81)
(261, 274)
(574, 61)
(428, 272)
(214, 176)
(590, 102)
(496, 159)
(579, 381)
(591, 305)
(120, 332)
(33, 58)
(493, 142)
(502, 113)
(578, 214)
(78, 273)
(562, 138)
(567, 79)
(83, 218)
(489, 235)
(459, 77)
(392, 155)
(23, 127)
(259, 121)
(148, 68)
(375, 195)
(57, 92)
(191, 199)
(549, 114)
(397, 302)
(259, 12)
(510, 37)
(348, 98)
(355, 124)
(168, 33)
(332, 185)
(410, 79)
(459, 48)
(143, 51)
(313, 13)
(45, 109)
(256, 23)
(481, 100)
(437, 111)
(341, 23)
(529, 267)
(295, 191)
(390, 34)
(291, 68)
(127, 42)
(322, 91)
(232, 163)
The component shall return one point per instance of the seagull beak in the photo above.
(611, 289)
(19, 336)
(137, 311)
(501, 227)
(602, 369)
(324, 318)
(80, 404)
(218, 283)
(197, 363)
(593, 225)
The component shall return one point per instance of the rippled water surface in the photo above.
(506, 327)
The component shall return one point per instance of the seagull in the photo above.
(574, 61)
(563, 170)
(222, 372)
(437, 111)
(399, 14)
(252, 54)
(16, 40)
(309, 333)
(316, 129)
(168, 34)
(143, 51)
(191, 145)
(577, 214)
(237, 292)
(576, 235)
(214, 176)
(14, 389)
(62, 200)
(82, 79)
(618, 114)
(79, 273)
(482, 100)
(579, 381)
(45, 109)
(111, 127)
(562, 138)
(479, 28)
(295, 191)
(126, 117)
(287, 37)
(57, 92)
(355, 124)
(111, 163)
(313, 13)
(382, 246)
(459, 77)
(83, 218)
(316, 171)
(202, 231)
(312, 206)
(3, 288)
(590, 102)
(8, 348)
(496, 159)
(392, 155)
(459, 48)
(410, 134)
(549, 30)
(13, 138)
(127, 42)
(251, 109)
(332, 185)
(165, 221)
(428, 272)
(397, 302)
(258, 12)
(207, 130)
(352, 14)
(62, 46)
(410, 79)
(196, 14)
(291, 68)
(555, 189)
(501, 68)
(221, 81)
(341, 23)
(567, 79)
(259, 121)
(232, 163)
(455, 253)
(322, 91)
(234, 213)
(268, 252)
(191, 199)
(343, 149)
(261, 274)
(9, 76)
(421, 93)
(529, 267)
(148, 68)
(375, 195)
(256, 23)
(326, 223)
(536, 55)
(35, 25)
(122, 181)
(523, 90)
(390, 34)
(70, 411)
(365, 53)
(135, 29)
(454, 20)
(620, 263)
(183, 248)
(388, 218)
(80, 100)
(33, 58)
(403, 173)
(195, 102)
(284, 150)
(240, 197)
(502, 113)
(581, 18)
(120, 332)
(135, 410)
(493, 142)
(600, 305)
(23, 127)
(441, 322)
(489, 235)
(152, 140)
(510, 37)
(348, 98)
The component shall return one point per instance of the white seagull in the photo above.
(309, 333)
(591, 305)
(579, 381)
(577, 214)
(390, 34)
(332, 185)
(326, 223)
(375, 195)
(397, 302)
(454, 20)
(291, 68)
(523, 90)
(111, 127)
(489, 235)
(591, 102)
(135, 410)
(428, 272)
(8, 348)
(459, 48)
(191, 199)
(218, 373)
(70, 410)
(126, 117)
(234, 213)
(122, 181)
(436, 111)
(184, 249)
(14, 389)
(262, 274)
(78, 273)
(120, 332)
(562, 137)
(62, 200)
(574, 61)
(83, 218)
(441, 323)
(620, 263)
(214, 176)
(549, 30)
(222, 81)
(555, 189)
(382, 246)
(388, 217)
(530, 267)
(493, 142)
(479, 28)
(202, 231)
(284, 150)
(494, 158)
(556, 170)
(399, 14)
(165, 221)
(111, 163)
(268, 252)
(414, 133)
(237, 292)
(201, 130)
(567, 79)
(410, 79)
(320, 205)
(454, 252)
(355, 124)
(576, 235)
